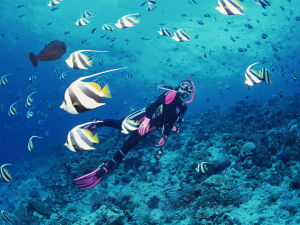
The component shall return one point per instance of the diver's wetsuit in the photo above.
(162, 116)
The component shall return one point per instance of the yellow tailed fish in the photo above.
(29, 100)
(12, 109)
(30, 143)
(5, 176)
(80, 139)
(82, 96)
(77, 60)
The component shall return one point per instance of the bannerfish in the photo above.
(29, 99)
(29, 113)
(86, 14)
(32, 79)
(5, 176)
(203, 167)
(265, 74)
(82, 22)
(164, 32)
(253, 77)
(148, 2)
(4, 80)
(108, 27)
(77, 60)
(12, 109)
(180, 36)
(7, 217)
(129, 20)
(151, 7)
(263, 3)
(52, 51)
(30, 143)
(54, 2)
(128, 124)
(63, 75)
(294, 77)
(281, 93)
(80, 139)
(230, 7)
(82, 96)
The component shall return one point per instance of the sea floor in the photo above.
(258, 183)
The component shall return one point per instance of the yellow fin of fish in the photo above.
(95, 85)
(87, 59)
(239, 4)
(134, 19)
(106, 91)
(95, 138)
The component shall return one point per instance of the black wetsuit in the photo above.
(163, 116)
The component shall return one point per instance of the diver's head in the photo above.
(186, 89)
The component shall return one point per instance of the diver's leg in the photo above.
(93, 178)
(132, 141)
(107, 123)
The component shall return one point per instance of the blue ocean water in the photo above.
(216, 58)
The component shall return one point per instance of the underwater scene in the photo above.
(150, 112)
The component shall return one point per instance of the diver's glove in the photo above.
(144, 126)
(161, 141)
(176, 129)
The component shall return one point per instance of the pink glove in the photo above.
(161, 141)
(176, 129)
(144, 126)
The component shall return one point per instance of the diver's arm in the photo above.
(180, 117)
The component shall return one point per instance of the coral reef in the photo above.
(258, 181)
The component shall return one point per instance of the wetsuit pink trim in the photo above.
(170, 96)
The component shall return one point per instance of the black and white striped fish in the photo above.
(29, 113)
(230, 7)
(86, 14)
(12, 109)
(265, 74)
(203, 167)
(263, 3)
(30, 143)
(54, 2)
(180, 36)
(164, 32)
(253, 77)
(108, 27)
(126, 21)
(82, 22)
(148, 2)
(29, 99)
(82, 96)
(151, 7)
(294, 77)
(80, 139)
(63, 75)
(281, 93)
(77, 60)
(129, 124)
(7, 217)
(5, 176)
(4, 80)
(32, 79)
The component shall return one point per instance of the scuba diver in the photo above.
(165, 114)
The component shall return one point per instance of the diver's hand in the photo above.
(161, 141)
(176, 129)
(144, 126)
